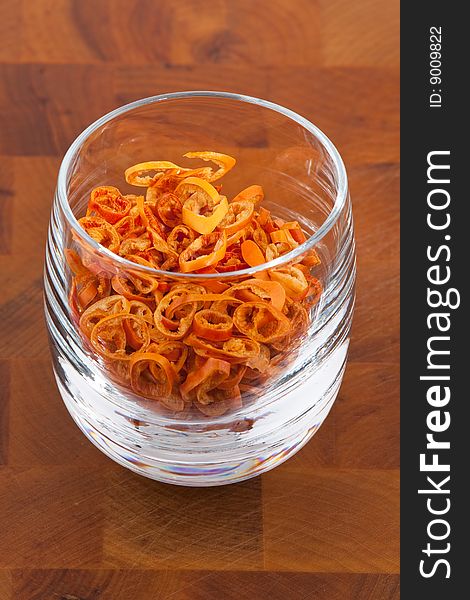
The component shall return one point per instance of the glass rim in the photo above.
(309, 244)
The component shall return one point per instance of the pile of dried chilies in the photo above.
(189, 344)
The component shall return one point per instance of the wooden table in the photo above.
(75, 526)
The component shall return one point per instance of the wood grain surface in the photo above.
(75, 526)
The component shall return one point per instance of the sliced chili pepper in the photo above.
(237, 373)
(269, 291)
(274, 251)
(235, 350)
(253, 193)
(125, 286)
(280, 235)
(223, 161)
(197, 300)
(205, 251)
(205, 193)
(232, 261)
(89, 288)
(132, 245)
(152, 375)
(263, 216)
(102, 232)
(238, 216)
(180, 237)
(311, 259)
(141, 173)
(169, 209)
(141, 309)
(177, 327)
(233, 239)
(103, 308)
(252, 253)
(109, 337)
(149, 220)
(75, 262)
(293, 281)
(260, 238)
(86, 286)
(200, 211)
(260, 321)
(212, 372)
(212, 325)
(109, 203)
(296, 231)
(175, 352)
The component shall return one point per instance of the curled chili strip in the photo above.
(152, 376)
(223, 161)
(205, 251)
(260, 321)
(102, 232)
(210, 374)
(109, 203)
(238, 215)
(103, 308)
(212, 325)
(235, 350)
(112, 336)
(253, 193)
(178, 325)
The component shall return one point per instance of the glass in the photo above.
(304, 179)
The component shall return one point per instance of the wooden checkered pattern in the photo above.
(75, 526)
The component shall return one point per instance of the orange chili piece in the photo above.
(260, 321)
(253, 193)
(169, 209)
(213, 371)
(109, 203)
(212, 325)
(239, 214)
(111, 336)
(206, 250)
(102, 232)
(152, 375)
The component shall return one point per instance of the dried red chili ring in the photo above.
(174, 328)
(180, 237)
(212, 325)
(238, 216)
(152, 375)
(125, 286)
(235, 350)
(213, 371)
(206, 250)
(169, 209)
(103, 308)
(109, 203)
(293, 281)
(260, 321)
(109, 337)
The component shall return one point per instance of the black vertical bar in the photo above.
(433, 119)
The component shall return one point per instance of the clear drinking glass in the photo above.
(304, 179)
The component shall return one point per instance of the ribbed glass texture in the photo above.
(304, 179)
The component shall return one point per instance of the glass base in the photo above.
(219, 458)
